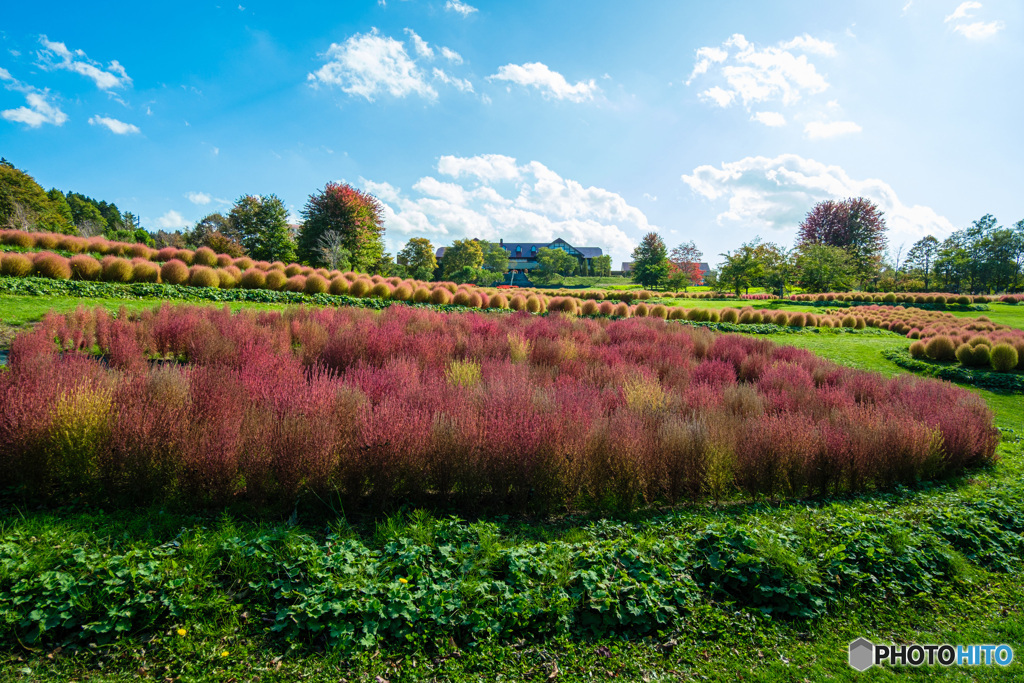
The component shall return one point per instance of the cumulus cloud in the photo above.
(200, 198)
(776, 193)
(972, 30)
(451, 55)
(56, 55)
(369, 65)
(460, 7)
(742, 72)
(172, 220)
(420, 46)
(550, 83)
(113, 125)
(493, 196)
(819, 130)
(772, 119)
(39, 110)
(459, 83)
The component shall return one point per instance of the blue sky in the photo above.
(593, 121)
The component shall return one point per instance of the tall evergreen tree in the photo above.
(650, 261)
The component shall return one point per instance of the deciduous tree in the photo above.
(417, 256)
(856, 225)
(356, 215)
(262, 222)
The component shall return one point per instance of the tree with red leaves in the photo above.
(356, 216)
(855, 225)
(684, 266)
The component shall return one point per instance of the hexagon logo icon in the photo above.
(862, 654)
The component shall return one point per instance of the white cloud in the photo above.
(743, 72)
(963, 11)
(975, 30)
(460, 7)
(819, 130)
(56, 55)
(369, 65)
(772, 119)
(776, 193)
(419, 45)
(460, 83)
(650, 197)
(492, 196)
(39, 109)
(115, 126)
(172, 220)
(979, 30)
(720, 96)
(550, 83)
(451, 55)
(806, 43)
(200, 198)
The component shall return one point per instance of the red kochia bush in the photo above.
(411, 406)
(53, 266)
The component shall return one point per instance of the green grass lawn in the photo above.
(719, 642)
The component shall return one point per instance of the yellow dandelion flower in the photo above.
(182, 631)
(224, 654)
(403, 580)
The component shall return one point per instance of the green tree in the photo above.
(495, 258)
(553, 262)
(418, 258)
(262, 223)
(356, 215)
(741, 268)
(602, 265)
(462, 253)
(650, 261)
(26, 206)
(778, 266)
(921, 258)
(824, 268)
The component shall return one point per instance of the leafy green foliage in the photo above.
(979, 377)
(262, 223)
(650, 261)
(356, 216)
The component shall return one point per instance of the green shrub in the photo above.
(1003, 357)
(965, 354)
(275, 280)
(203, 276)
(381, 290)
(144, 271)
(16, 265)
(253, 278)
(226, 278)
(116, 269)
(359, 288)
(440, 295)
(316, 284)
(204, 256)
(917, 349)
(296, 283)
(338, 286)
(941, 348)
(982, 355)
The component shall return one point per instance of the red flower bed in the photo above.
(505, 412)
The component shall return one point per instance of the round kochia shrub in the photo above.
(1003, 357)
(203, 276)
(359, 288)
(16, 265)
(174, 272)
(316, 284)
(917, 350)
(296, 283)
(338, 286)
(85, 267)
(941, 348)
(204, 256)
(116, 269)
(275, 280)
(23, 240)
(145, 271)
(53, 267)
(253, 279)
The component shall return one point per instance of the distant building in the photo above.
(522, 256)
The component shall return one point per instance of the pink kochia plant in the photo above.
(512, 412)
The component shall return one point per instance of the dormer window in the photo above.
(519, 250)
(533, 249)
